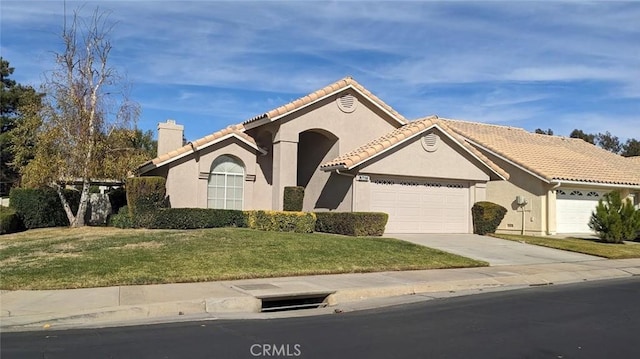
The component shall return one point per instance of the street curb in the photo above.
(246, 305)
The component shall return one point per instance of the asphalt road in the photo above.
(587, 320)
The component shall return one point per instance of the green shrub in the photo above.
(122, 219)
(9, 221)
(118, 199)
(352, 223)
(178, 218)
(293, 198)
(615, 219)
(145, 193)
(487, 217)
(41, 207)
(280, 221)
(190, 218)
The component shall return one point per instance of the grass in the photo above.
(586, 246)
(97, 256)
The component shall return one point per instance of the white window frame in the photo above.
(212, 174)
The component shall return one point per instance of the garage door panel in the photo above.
(574, 208)
(416, 206)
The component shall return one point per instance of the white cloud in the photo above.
(490, 61)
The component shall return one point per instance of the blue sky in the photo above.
(208, 64)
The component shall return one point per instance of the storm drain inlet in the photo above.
(294, 302)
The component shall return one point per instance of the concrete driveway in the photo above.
(493, 250)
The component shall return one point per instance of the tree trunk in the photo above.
(82, 208)
(65, 204)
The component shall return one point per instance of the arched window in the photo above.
(226, 182)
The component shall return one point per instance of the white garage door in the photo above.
(573, 209)
(416, 206)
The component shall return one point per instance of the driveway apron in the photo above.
(495, 251)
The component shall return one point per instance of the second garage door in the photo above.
(574, 208)
(422, 206)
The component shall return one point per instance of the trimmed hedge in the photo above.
(9, 221)
(179, 218)
(191, 218)
(41, 207)
(293, 198)
(352, 223)
(280, 221)
(487, 217)
(145, 193)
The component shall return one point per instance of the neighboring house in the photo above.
(353, 152)
(561, 178)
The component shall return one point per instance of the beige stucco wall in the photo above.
(410, 160)
(523, 184)
(449, 161)
(187, 177)
(352, 129)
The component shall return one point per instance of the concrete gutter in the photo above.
(128, 305)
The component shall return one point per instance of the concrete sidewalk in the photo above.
(495, 251)
(75, 308)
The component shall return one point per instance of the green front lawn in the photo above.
(97, 256)
(586, 246)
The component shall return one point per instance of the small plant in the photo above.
(615, 219)
(487, 217)
(293, 198)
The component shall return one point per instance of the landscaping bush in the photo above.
(145, 193)
(293, 198)
(280, 221)
(122, 219)
(41, 207)
(615, 219)
(9, 221)
(487, 217)
(190, 218)
(352, 223)
(178, 218)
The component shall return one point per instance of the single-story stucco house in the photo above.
(353, 152)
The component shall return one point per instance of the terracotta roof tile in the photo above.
(551, 157)
(314, 96)
(237, 130)
(369, 150)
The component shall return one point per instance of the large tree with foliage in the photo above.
(544, 132)
(86, 118)
(18, 103)
(608, 142)
(585, 136)
(631, 148)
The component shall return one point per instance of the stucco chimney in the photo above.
(170, 136)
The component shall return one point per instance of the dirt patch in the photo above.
(65, 247)
(144, 245)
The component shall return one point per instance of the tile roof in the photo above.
(551, 157)
(239, 129)
(330, 89)
(233, 130)
(399, 135)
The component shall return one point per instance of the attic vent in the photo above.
(430, 142)
(347, 103)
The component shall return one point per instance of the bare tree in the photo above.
(86, 101)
